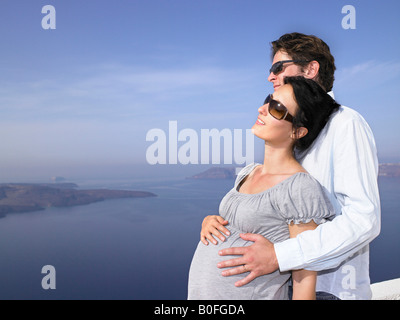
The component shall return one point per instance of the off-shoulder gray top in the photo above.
(299, 199)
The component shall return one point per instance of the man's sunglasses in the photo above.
(277, 109)
(278, 66)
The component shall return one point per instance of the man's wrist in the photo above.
(288, 255)
(274, 259)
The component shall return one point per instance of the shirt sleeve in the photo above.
(355, 166)
(305, 200)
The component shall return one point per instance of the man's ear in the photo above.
(299, 133)
(311, 70)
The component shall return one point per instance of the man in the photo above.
(344, 160)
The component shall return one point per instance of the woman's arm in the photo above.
(304, 281)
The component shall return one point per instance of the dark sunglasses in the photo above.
(277, 109)
(278, 66)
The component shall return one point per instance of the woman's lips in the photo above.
(260, 122)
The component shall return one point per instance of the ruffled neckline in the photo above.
(235, 189)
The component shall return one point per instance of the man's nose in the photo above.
(271, 77)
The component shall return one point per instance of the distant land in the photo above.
(25, 197)
(389, 169)
(216, 173)
(385, 169)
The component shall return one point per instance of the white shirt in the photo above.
(344, 160)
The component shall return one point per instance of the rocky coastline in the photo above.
(25, 197)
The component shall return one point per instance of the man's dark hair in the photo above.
(308, 48)
(315, 107)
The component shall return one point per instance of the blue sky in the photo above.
(85, 94)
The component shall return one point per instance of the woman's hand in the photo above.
(213, 226)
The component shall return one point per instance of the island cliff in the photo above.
(216, 173)
(389, 169)
(23, 197)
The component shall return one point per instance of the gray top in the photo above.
(299, 198)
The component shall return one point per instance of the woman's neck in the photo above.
(280, 161)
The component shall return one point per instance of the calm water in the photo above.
(138, 248)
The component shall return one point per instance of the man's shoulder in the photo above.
(344, 125)
(345, 115)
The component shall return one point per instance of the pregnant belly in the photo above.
(205, 279)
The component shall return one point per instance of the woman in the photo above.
(277, 199)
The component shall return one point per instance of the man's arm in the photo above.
(355, 166)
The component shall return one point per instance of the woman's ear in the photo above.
(311, 70)
(299, 133)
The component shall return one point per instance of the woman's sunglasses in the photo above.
(277, 109)
(278, 66)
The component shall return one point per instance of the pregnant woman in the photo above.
(277, 199)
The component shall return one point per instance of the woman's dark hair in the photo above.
(315, 107)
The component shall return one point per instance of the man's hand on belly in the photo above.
(258, 259)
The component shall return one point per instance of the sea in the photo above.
(140, 248)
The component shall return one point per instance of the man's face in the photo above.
(289, 69)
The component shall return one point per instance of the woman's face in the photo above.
(272, 130)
